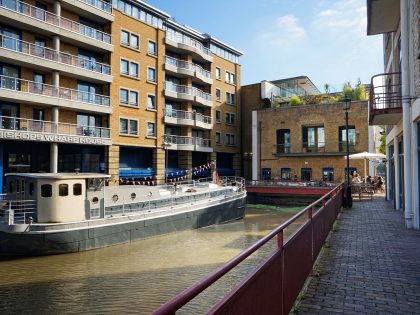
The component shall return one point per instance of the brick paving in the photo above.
(371, 265)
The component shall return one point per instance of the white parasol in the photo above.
(366, 156)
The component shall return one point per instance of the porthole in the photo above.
(115, 198)
(95, 200)
(133, 196)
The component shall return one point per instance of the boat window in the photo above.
(77, 189)
(115, 198)
(133, 196)
(31, 189)
(95, 200)
(63, 190)
(46, 191)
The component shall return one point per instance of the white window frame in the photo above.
(129, 131)
(148, 74)
(128, 45)
(230, 98)
(129, 74)
(148, 51)
(154, 129)
(129, 103)
(215, 116)
(218, 77)
(230, 77)
(147, 101)
(220, 95)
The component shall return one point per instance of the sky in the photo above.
(323, 39)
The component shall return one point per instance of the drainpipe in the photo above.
(405, 92)
(255, 155)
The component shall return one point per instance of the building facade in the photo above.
(118, 88)
(308, 142)
(395, 101)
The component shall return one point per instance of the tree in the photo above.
(296, 100)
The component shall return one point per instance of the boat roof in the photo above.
(60, 175)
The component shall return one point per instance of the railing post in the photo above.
(11, 217)
(280, 240)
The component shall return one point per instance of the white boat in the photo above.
(45, 213)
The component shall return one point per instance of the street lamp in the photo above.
(346, 106)
(165, 146)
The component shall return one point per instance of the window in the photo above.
(151, 131)
(218, 94)
(123, 96)
(128, 127)
(230, 77)
(129, 68)
(342, 139)
(286, 173)
(151, 74)
(218, 116)
(129, 97)
(306, 174)
(130, 39)
(63, 190)
(313, 139)
(230, 139)
(134, 98)
(151, 102)
(124, 64)
(125, 37)
(328, 174)
(77, 189)
(31, 189)
(230, 98)
(46, 191)
(230, 119)
(218, 73)
(152, 48)
(283, 141)
(218, 138)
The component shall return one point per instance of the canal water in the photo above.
(136, 277)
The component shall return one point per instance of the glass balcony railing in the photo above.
(284, 148)
(53, 19)
(27, 48)
(31, 125)
(101, 5)
(310, 147)
(180, 114)
(188, 41)
(342, 146)
(188, 66)
(25, 86)
(182, 89)
(181, 140)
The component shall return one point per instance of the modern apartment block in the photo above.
(395, 99)
(121, 88)
(306, 142)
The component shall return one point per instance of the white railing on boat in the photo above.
(16, 211)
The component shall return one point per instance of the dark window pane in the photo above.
(63, 190)
(46, 191)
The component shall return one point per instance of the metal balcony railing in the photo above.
(181, 140)
(310, 147)
(27, 48)
(25, 86)
(32, 125)
(283, 148)
(182, 89)
(202, 118)
(179, 38)
(385, 91)
(180, 114)
(342, 146)
(188, 66)
(101, 5)
(53, 19)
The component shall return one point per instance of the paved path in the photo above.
(372, 265)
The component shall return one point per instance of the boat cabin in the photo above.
(59, 197)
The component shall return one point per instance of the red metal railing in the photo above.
(275, 284)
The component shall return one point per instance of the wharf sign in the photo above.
(50, 137)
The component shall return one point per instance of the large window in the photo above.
(128, 127)
(218, 116)
(129, 39)
(151, 129)
(230, 77)
(286, 173)
(218, 73)
(129, 68)
(313, 139)
(230, 139)
(129, 97)
(151, 48)
(342, 139)
(230, 98)
(151, 74)
(90, 92)
(306, 174)
(89, 125)
(328, 174)
(230, 118)
(151, 101)
(283, 141)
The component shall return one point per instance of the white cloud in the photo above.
(290, 24)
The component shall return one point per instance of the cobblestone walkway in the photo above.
(371, 265)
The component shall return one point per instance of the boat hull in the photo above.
(93, 237)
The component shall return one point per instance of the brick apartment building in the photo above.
(308, 141)
(104, 87)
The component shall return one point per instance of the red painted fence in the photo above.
(275, 284)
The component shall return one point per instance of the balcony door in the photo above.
(283, 141)
(313, 139)
(9, 77)
(8, 114)
(89, 125)
(38, 116)
(11, 39)
(342, 139)
(87, 92)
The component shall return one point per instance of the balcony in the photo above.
(188, 143)
(29, 92)
(28, 17)
(385, 105)
(311, 147)
(180, 117)
(183, 43)
(182, 92)
(27, 54)
(95, 10)
(183, 68)
(14, 128)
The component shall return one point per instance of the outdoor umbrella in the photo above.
(366, 156)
